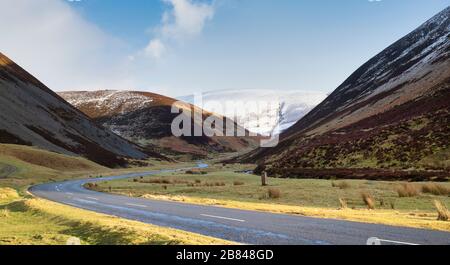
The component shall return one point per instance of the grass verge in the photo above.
(41, 222)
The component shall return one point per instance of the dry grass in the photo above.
(407, 190)
(174, 181)
(215, 184)
(341, 184)
(164, 181)
(4, 213)
(274, 193)
(443, 213)
(157, 181)
(436, 189)
(8, 194)
(343, 204)
(196, 172)
(368, 200)
(238, 183)
(36, 221)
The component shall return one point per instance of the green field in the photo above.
(225, 187)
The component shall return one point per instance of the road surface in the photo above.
(248, 227)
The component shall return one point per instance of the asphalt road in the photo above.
(249, 227)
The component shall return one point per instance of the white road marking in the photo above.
(221, 217)
(86, 201)
(69, 193)
(92, 198)
(377, 241)
(399, 242)
(136, 205)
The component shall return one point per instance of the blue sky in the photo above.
(177, 47)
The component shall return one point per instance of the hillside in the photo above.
(31, 114)
(21, 166)
(145, 118)
(392, 113)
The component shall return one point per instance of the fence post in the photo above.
(264, 178)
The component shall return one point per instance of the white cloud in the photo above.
(184, 20)
(59, 47)
(155, 48)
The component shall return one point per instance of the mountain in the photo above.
(146, 118)
(392, 113)
(32, 114)
(278, 109)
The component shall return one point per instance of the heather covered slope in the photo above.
(392, 113)
(31, 114)
(146, 118)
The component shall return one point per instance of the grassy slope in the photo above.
(298, 196)
(28, 166)
(26, 220)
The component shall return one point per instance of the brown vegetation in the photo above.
(343, 203)
(443, 213)
(436, 189)
(358, 173)
(407, 190)
(342, 185)
(368, 199)
(215, 184)
(274, 193)
(92, 186)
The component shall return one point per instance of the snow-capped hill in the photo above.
(146, 118)
(117, 101)
(276, 110)
(105, 103)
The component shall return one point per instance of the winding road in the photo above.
(248, 227)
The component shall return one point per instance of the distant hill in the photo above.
(290, 107)
(145, 118)
(32, 114)
(392, 113)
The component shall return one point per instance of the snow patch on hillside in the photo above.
(116, 101)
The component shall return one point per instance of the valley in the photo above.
(106, 167)
(254, 226)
